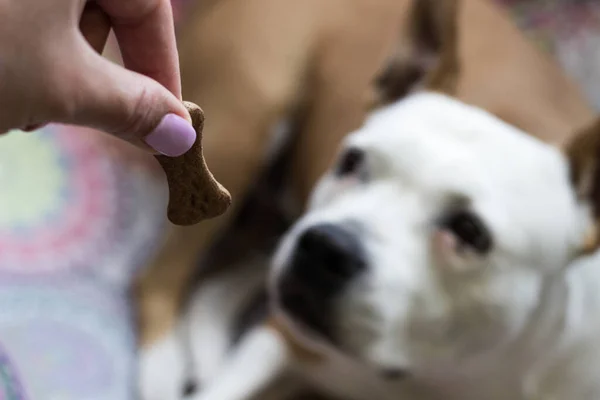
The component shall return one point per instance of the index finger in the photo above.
(146, 34)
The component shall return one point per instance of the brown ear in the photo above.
(427, 53)
(583, 153)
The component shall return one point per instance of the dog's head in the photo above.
(431, 238)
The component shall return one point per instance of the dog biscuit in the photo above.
(194, 194)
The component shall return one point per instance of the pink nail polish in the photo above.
(172, 137)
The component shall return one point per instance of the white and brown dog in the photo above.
(453, 252)
(446, 255)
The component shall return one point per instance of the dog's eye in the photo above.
(470, 229)
(350, 162)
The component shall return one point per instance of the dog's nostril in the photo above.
(321, 242)
(331, 248)
(189, 388)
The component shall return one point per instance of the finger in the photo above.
(132, 106)
(95, 26)
(146, 35)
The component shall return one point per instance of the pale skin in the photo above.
(51, 70)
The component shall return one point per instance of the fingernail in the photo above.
(172, 137)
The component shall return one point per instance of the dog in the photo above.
(452, 252)
(547, 106)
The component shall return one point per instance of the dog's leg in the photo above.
(210, 318)
(160, 288)
(162, 369)
(258, 361)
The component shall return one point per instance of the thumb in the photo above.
(131, 106)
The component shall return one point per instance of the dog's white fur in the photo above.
(521, 322)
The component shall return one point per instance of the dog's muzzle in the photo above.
(324, 261)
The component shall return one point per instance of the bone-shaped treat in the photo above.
(194, 194)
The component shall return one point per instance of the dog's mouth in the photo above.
(310, 315)
(307, 308)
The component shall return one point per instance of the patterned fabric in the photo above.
(80, 212)
(568, 29)
(65, 340)
(69, 202)
(78, 215)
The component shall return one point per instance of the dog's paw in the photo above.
(161, 371)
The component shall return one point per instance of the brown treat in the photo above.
(194, 194)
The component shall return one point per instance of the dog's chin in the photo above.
(320, 339)
(309, 336)
(310, 317)
(306, 314)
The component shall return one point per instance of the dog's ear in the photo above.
(427, 54)
(583, 153)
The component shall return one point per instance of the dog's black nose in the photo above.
(328, 256)
(326, 259)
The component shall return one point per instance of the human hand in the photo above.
(51, 70)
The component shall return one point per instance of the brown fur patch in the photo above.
(440, 21)
(583, 153)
